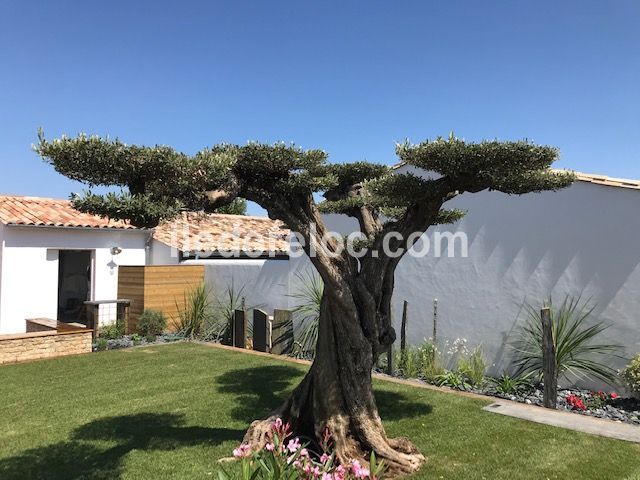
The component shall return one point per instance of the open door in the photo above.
(74, 284)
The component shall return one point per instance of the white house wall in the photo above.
(162, 254)
(524, 249)
(266, 284)
(30, 268)
(2, 227)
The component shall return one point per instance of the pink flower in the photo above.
(324, 458)
(242, 451)
(270, 447)
(358, 470)
(340, 473)
(277, 425)
(614, 395)
(293, 445)
(304, 452)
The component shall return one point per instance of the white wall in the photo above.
(266, 284)
(2, 227)
(162, 254)
(29, 275)
(581, 240)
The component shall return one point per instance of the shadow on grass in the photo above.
(396, 406)
(80, 458)
(260, 390)
(257, 390)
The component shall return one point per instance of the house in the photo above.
(53, 258)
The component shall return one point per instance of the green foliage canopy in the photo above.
(158, 182)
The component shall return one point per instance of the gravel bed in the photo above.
(127, 341)
(626, 410)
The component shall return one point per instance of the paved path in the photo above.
(562, 419)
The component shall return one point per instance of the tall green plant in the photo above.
(219, 327)
(473, 367)
(410, 362)
(196, 311)
(431, 361)
(577, 352)
(307, 297)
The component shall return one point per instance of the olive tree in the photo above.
(296, 186)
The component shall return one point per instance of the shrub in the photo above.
(284, 457)
(136, 339)
(151, 322)
(576, 352)
(101, 344)
(113, 330)
(631, 375)
(473, 367)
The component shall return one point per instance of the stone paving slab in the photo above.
(568, 420)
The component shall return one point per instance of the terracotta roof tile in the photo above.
(190, 232)
(198, 232)
(16, 210)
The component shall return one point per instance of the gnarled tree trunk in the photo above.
(337, 393)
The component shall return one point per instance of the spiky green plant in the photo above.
(577, 352)
(219, 326)
(511, 385)
(307, 298)
(454, 380)
(196, 311)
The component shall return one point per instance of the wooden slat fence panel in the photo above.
(159, 287)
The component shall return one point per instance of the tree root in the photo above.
(400, 456)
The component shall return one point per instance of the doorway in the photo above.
(74, 284)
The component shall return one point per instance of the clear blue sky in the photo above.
(349, 77)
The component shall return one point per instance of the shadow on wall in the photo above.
(267, 283)
(85, 456)
(524, 249)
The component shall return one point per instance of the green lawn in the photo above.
(172, 411)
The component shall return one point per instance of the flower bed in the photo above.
(599, 404)
(283, 456)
